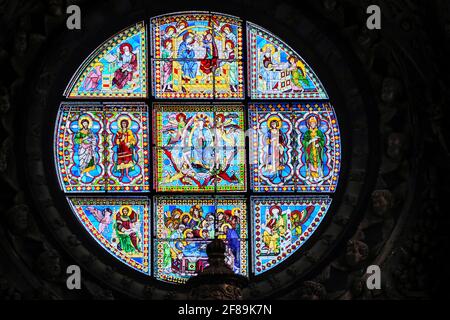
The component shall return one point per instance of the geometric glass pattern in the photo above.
(185, 225)
(197, 55)
(200, 166)
(120, 225)
(102, 147)
(116, 69)
(199, 148)
(278, 72)
(294, 147)
(282, 225)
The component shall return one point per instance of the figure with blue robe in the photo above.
(186, 51)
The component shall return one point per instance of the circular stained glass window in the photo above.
(195, 126)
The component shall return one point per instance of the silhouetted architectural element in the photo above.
(217, 281)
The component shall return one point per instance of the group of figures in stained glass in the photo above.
(103, 147)
(294, 147)
(197, 147)
(200, 148)
(197, 56)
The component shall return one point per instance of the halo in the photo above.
(271, 46)
(175, 211)
(275, 207)
(234, 211)
(170, 28)
(125, 207)
(186, 231)
(185, 215)
(202, 116)
(225, 225)
(314, 116)
(201, 233)
(274, 118)
(226, 25)
(122, 118)
(83, 118)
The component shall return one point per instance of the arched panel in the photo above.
(116, 69)
(276, 71)
(119, 225)
(281, 225)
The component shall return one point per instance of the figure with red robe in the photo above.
(209, 63)
(127, 65)
(125, 141)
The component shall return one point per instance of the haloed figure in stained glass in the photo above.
(86, 142)
(313, 144)
(274, 230)
(298, 74)
(274, 157)
(94, 78)
(127, 62)
(167, 53)
(230, 59)
(186, 51)
(200, 142)
(267, 67)
(126, 227)
(125, 141)
(209, 62)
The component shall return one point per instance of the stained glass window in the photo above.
(197, 55)
(171, 193)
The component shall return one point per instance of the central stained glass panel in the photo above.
(199, 148)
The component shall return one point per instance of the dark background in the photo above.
(390, 91)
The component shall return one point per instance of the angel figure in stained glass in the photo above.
(225, 148)
(298, 74)
(298, 218)
(230, 60)
(103, 217)
(168, 34)
(229, 35)
(94, 78)
(175, 127)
